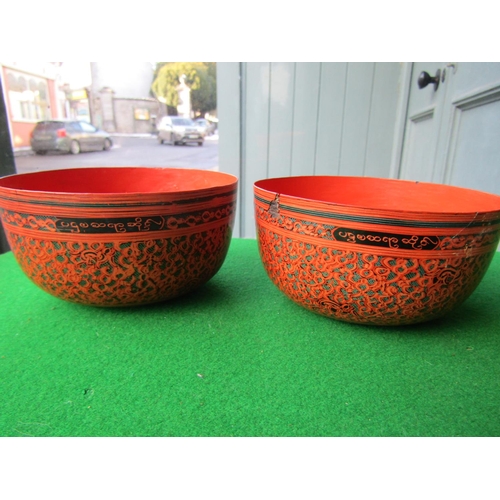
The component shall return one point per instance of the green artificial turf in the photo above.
(237, 358)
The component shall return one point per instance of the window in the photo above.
(87, 127)
(28, 97)
(73, 127)
(182, 121)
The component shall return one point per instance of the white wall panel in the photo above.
(330, 118)
(358, 99)
(305, 117)
(229, 109)
(255, 147)
(281, 113)
(383, 111)
(295, 118)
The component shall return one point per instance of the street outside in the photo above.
(143, 151)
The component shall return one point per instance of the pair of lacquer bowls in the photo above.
(356, 249)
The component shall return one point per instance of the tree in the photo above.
(201, 77)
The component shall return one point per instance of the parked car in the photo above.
(178, 130)
(205, 127)
(69, 136)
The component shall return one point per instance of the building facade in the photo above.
(120, 98)
(31, 93)
(117, 98)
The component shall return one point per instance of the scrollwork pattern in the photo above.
(118, 273)
(365, 287)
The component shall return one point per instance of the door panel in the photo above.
(473, 155)
(418, 158)
(462, 145)
(425, 110)
(475, 148)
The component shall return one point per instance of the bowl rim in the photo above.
(230, 184)
(93, 169)
(390, 211)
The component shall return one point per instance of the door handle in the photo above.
(425, 79)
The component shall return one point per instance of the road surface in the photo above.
(130, 151)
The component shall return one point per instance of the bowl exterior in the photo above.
(119, 251)
(364, 267)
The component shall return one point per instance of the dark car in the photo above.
(178, 130)
(69, 137)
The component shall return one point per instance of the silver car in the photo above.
(178, 130)
(205, 127)
(69, 137)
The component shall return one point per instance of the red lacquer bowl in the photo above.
(375, 251)
(117, 236)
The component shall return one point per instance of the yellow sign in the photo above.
(141, 114)
(78, 95)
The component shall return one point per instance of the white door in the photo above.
(452, 133)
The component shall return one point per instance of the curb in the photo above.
(140, 136)
(23, 152)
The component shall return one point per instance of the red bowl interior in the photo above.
(383, 194)
(117, 180)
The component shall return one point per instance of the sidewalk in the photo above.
(26, 151)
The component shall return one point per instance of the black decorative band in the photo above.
(386, 239)
(102, 225)
(115, 225)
